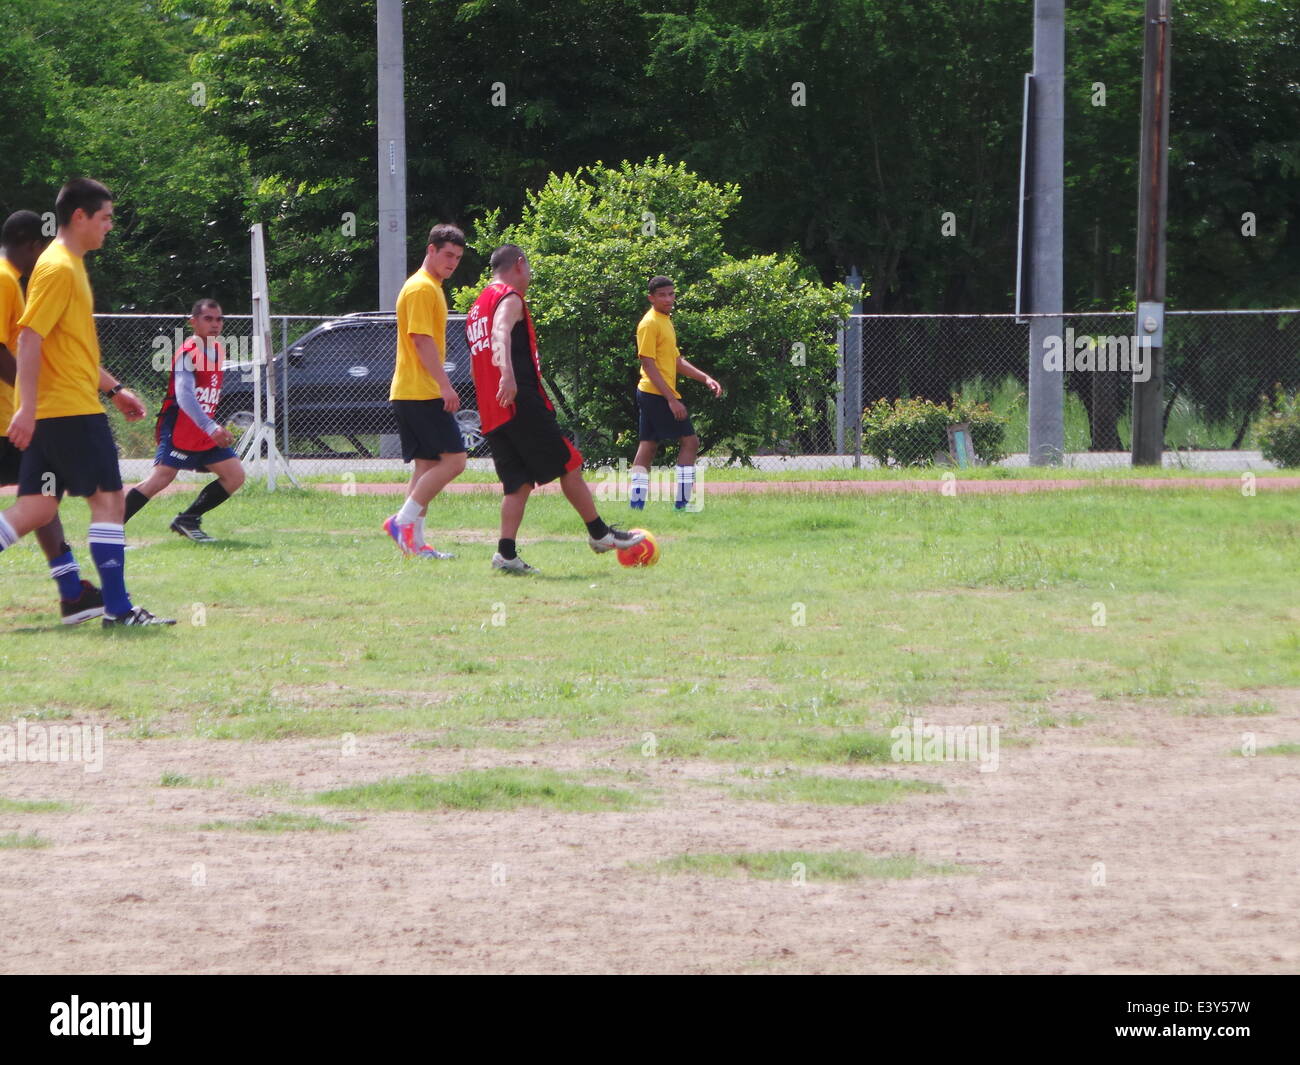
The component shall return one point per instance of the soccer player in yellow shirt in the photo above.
(22, 242)
(422, 395)
(59, 423)
(663, 416)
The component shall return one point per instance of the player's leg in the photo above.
(230, 478)
(108, 549)
(686, 455)
(600, 537)
(640, 488)
(431, 439)
(159, 478)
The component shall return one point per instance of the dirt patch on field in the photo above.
(1139, 840)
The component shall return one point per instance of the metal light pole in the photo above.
(1153, 184)
(391, 153)
(1046, 231)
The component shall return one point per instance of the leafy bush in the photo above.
(908, 432)
(1278, 432)
(761, 325)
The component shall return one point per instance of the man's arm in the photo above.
(23, 423)
(509, 312)
(431, 359)
(126, 401)
(695, 374)
(188, 401)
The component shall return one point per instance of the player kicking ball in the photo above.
(662, 414)
(188, 437)
(518, 420)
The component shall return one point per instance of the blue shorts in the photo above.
(656, 419)
(426, 429)
(75, 454)
(166, 455)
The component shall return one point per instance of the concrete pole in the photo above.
(1047, 226)
(1153, 183)
(391, 153)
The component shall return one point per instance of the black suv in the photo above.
(338, 376)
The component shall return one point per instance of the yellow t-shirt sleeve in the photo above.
(420, 314)
(647, 340)
(10, 311)
(48, 296)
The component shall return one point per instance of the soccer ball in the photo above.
(646, 553)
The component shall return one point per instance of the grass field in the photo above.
(737, 699)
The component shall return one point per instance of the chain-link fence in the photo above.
(330, 379)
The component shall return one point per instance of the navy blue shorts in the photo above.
(167, 455)
(426, 429)
(657, 422)
(11, 459)
(76, 455)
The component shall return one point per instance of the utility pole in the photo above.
(1153, 184)
(391, 153)
(1046, 231)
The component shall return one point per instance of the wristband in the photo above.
(119, 387)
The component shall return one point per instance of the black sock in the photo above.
(135, 499)
(597, 528)
(506, 548)
(213, 495)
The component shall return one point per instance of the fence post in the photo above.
(853, 369)
(284, 377)
(840, 404)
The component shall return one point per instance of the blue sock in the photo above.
(108, 549)
(7, 535)
(65, 572)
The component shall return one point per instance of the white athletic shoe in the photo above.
(615, 538)
(512, 565)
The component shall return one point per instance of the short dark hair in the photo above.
(505, 257)
(445, 234)
(83, 194)
(206, 301)
(20, 228)
(656, 283)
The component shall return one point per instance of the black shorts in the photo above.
(426, 429)
(656, 419)
(10, 460)
(76, 455)
(531, 449)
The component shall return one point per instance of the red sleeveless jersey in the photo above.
(487, 375)
(207, 390)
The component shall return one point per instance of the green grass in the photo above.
(179, 780)
(278, 822)
(790, 629)
(1259, 708)
(16, 841)
(24, 806)
(487, 789)
(831, 790)
(1281, 748)
(826, 865)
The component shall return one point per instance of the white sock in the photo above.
(409, 512)
(685, 482)
(7, 535)
(640, 484)
(419, 529)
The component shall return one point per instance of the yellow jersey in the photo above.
(421, 310)
(11, 308)
(657, 339)
(61, 308)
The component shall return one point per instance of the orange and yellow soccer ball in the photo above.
(646, 553)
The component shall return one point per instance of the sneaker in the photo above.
(615, 538)
(680, 505)
(512, 565)
(89, 604)
(191, 530)
(429, 551)
(138, 616)
(637, 504)
(403, 534)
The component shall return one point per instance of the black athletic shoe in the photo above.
(89, 604)
(138, 616)
(191, 530)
